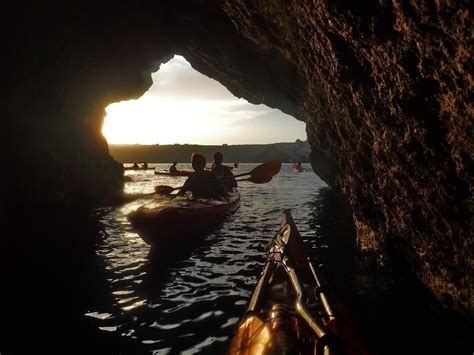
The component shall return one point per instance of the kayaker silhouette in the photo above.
(202, 183)
(223, 171)
(173, 168)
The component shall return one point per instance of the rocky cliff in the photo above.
(181, 153)
(385, 88)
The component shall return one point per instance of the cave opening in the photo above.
(184, 106)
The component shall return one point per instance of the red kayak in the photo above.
(181, 217)
(176, 173)
(292, 309)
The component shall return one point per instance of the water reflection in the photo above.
(94, 283)
(190, 295)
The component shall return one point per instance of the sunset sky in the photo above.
(184, 106)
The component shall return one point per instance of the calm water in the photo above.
(82, 284)
(190, 300)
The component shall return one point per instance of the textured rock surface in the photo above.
(385, 88)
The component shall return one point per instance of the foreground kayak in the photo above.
(291, 310)
(177, 173)
(181, 217)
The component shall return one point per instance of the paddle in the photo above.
(258, 179)
(259, 175)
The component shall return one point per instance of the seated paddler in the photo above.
(173, 168)
(202, 183)
(223, 172)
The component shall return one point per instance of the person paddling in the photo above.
(173, 168)
(223, 171)
(202, 183)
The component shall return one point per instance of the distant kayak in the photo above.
(139, 168)
(291, 310)
(176, 173)
(298, 169)
(181, 217)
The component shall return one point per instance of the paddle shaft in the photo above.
(266, 171)
(222, 178)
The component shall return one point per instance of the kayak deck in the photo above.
(291, 309)
(181, 217)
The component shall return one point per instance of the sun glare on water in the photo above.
(184, 106)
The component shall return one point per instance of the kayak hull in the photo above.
(181, 218)
(130, 168)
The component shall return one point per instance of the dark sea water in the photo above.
(188, 299)
(76, 283)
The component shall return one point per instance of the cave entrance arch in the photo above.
(184, 106)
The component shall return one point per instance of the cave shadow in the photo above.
(397, 314)
(50, 277)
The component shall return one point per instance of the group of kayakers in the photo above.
(213, 183)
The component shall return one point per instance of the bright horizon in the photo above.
(184, 106)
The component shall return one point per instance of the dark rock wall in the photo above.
(65, 66)
(385, 88)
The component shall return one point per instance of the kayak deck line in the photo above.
(290, 309)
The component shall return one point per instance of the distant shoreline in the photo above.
(297, 151)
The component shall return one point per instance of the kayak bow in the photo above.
(290, 310)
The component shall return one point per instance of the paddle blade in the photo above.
(261, 178)
(272, 167)
(262, 173)
(164, 189)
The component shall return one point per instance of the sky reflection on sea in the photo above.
(191, 299)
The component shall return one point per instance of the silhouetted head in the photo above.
(198, 161)
(174, 163)
(218, 157)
